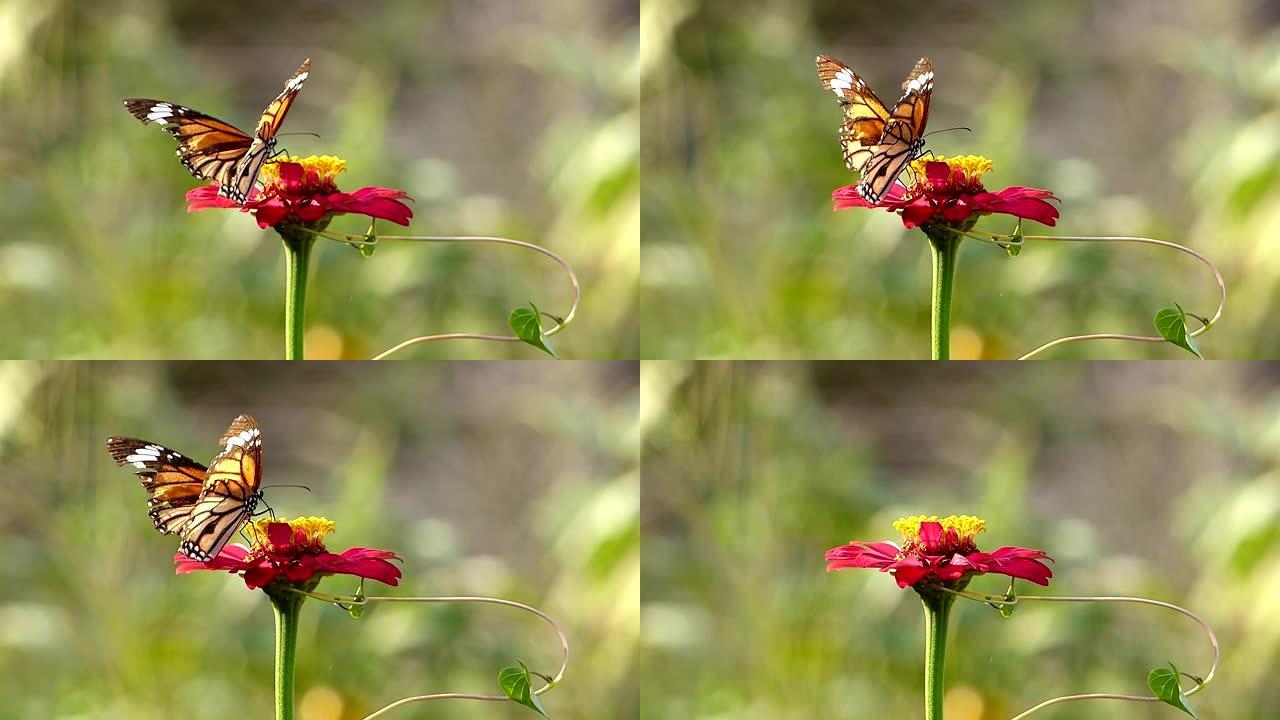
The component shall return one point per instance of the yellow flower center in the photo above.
(325, 167)
(965, 526)
(308, 534)
(966, 171)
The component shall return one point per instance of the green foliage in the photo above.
(526, 323)
(1164, 683)
(516, 684)
(1172, 324)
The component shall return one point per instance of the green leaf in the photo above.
(1172, 325)
(516, 684)
(526, 323)
(1164, 685)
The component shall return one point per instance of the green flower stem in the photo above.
(945, 245)
(937, 610)
(297, 251)
(286, 606)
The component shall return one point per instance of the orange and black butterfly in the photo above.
(215, 150)
(202, 506)
(877, 142)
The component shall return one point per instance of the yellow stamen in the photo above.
(313, 531)
(966, 526)
(970, 167)
(326, 167)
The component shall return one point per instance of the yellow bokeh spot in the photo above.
(963, 703)
(323, 343)
(326, 167)
(966, 526)
(321, 703)
(966, 343)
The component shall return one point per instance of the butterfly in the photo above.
(877, 142)
(215, 150)
(203, 506)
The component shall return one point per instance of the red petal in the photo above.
(931, 533)
(291, 176)
(847, 197)
(917, 212)
(1016, 562)
(231, 557)
(909, 571)
(206, 197)
(361, 562)
(1024, 202)
(259, 576)
(279, 534)
(382, 203)
(938, 173)
(862, 555)
(300, 571)
(308, 210)
(271, 213)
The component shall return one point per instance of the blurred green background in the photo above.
(1155, 117)
(498, 117)
(515, 479)
(1154, 479)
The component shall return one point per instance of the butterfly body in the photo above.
(212, 149)
(878, 142)
(204, 506)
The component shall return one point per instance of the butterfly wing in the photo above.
(882, 168)
(903, 138)
(230, 493)
(917, 91)
(173, 480)
(212, 149)
(264, 140)
(273, 116)
(208, 148)
(864, 114)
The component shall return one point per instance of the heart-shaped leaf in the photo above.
(1172, 325)
(526, 323)
(1164, 685)
(516, 684)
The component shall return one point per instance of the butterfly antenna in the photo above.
(314, 135)
(935, 132)
(304, 487)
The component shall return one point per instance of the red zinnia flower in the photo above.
(293, 551)
(304, 191)
(949, 191)
(940, 550)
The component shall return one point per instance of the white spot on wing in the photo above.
(296, 82)
(921, 82)
(160, 112)
(842, 81)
